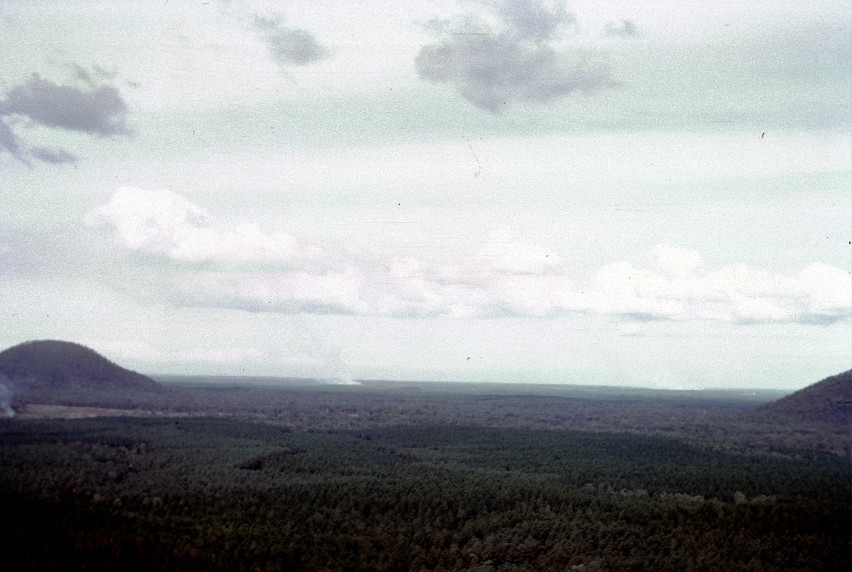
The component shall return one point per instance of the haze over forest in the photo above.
(631, 193)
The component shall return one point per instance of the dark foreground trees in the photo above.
(200, 494)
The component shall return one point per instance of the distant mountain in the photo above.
(826, 402)
(50, 365)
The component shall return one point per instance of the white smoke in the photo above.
(329, 357)
(6, 397)
(342, 375)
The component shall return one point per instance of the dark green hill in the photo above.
(826, 402)
(50, 365)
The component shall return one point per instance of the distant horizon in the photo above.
(347, 378)
(325, 381)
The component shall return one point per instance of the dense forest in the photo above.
(200, 493)
(105, 469)
(723, 419)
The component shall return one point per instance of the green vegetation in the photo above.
(388, 476)
(211, 493)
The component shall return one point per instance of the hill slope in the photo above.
(60, 366)
(826, 402)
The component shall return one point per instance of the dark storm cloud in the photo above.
(289, 46)
(626, 29)
(517, 64)
(95, 110)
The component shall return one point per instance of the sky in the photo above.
(640, 193)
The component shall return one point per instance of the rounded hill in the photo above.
(58, 365)
(826, 402)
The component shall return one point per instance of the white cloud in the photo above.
(272, 272)
(504, 253)
(163, 222)
(679, 288)
(676, 261)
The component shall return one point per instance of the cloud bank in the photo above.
(247, 268)
(94, 110)
(514, 58)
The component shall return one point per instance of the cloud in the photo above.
(289, 46)
(678, 287)
(515, 60)
(10, 143)
(54, 156)
(625, 29)
(509, 278)
(94, 110)
(676, 261)
(163, 222)
(506, 254)
(538, 21)
(97, 110)
(88, 76)
(239, 266)
(242, 266)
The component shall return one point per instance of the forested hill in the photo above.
(826, 402)
(61, 366)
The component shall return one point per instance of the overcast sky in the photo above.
(652, 193)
